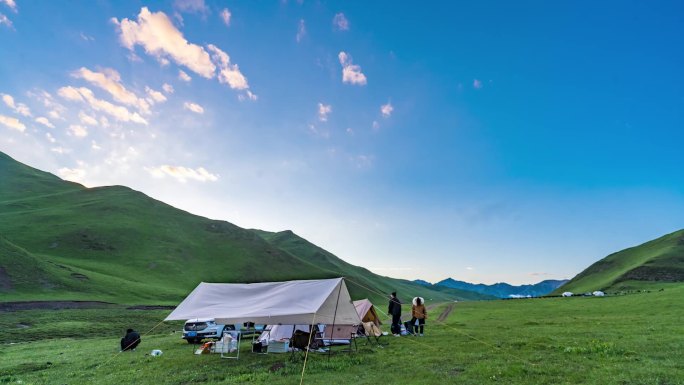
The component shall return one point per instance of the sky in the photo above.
(484, 141)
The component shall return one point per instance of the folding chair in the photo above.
(373, 333)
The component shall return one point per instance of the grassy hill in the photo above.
(62, 241)
(649, 265)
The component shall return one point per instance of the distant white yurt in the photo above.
(567, 294)
(598, 293)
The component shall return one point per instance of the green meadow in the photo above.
(629, 339)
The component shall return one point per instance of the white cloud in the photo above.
(247, 95)
(196, 108)
(159, 37)
(85, 95)
(19, 108)
(87, 119)
(110, 81)
(13, 123)
(182, 75)
(86, 37)
(60, 150)
(10, 3)
(55, 114)
(386, 110)
(6, 21)
(50, 138)
(375, 125)
(44, 121)
(70, 93)
(156, 96)
(340, 22)
(477, 84)
(183, 174)
(301, 30)
(54, 109)
(228, 73)
(77, 131)
(191, 6)
(323, 111)
(168, 88)
(72, 174)
(351, 73)
(225, 16)
(104, 122)
(95, 146)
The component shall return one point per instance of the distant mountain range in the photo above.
(502, 289)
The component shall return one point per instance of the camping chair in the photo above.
(373, 333)
(339, 334)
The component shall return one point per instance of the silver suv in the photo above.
(196, 329)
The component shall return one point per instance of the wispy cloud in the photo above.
(301, 30)
(85, 95)
(19, 108)
(182, 75)
(110, 81)
(191, 6)
(77, 131)
(13, 123)
(228, 73)
(154, 96)
(194, 107)
(225, 16)
(4, 20)
(323, 111)
(87, 37)
(11, 4)
(386, 110)
(44, 121)
(340, 22)
(477, 84)
(87, 119)
(160, 38)
(351, 73)
(183, 174)
(168, 88)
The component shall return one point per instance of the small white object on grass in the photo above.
(156, 352)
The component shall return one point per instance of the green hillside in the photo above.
(61, 240)
(359, 278)
(645, 266)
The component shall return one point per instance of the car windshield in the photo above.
(193, 326)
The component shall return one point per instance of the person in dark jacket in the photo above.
(394, 310)
(130, 340)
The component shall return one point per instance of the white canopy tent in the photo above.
(325, 301)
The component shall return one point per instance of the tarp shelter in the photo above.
(324, 301)
(367, 312)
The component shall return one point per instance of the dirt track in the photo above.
(442, 317)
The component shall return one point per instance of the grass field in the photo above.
(631, 339)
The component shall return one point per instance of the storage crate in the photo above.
(278, 346)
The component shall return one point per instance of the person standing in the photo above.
(394, 309)
(418, 312)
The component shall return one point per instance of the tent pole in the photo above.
(332, 332)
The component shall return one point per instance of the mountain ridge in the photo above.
(502, 289)
(115, 244)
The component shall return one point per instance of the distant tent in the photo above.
(598, 293)
(324, 301)
(366, 311)
(567, 294)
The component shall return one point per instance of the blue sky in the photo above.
(485, 141)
